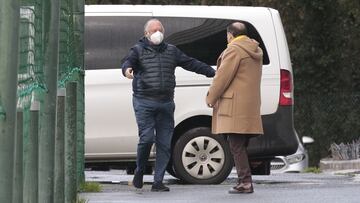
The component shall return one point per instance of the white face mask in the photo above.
(157, 37)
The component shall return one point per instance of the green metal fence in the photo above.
(42, 128)
(9, 16)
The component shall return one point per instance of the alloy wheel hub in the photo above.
(203, 157)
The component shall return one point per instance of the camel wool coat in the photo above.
(235, 90)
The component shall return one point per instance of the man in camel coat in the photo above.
(234, 96)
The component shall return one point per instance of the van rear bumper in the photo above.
(279, 137)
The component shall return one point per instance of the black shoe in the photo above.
(159, 187)
(138, 180)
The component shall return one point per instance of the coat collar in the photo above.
(237, 38)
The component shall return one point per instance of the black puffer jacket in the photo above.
(154, 69)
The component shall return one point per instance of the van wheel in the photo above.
(170, 169)
(200, 157)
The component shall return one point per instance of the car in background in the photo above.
(294, 163)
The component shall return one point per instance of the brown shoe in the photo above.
(242, 188)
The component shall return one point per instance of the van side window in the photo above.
(109, 38)
(203, 39)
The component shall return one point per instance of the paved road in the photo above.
(279, 188)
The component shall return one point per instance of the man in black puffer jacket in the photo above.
(151, 64)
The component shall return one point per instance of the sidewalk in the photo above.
(288, 187)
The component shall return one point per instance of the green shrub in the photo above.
(312, 170)
(90, 187)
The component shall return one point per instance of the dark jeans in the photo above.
(155, 122)
(238, 144)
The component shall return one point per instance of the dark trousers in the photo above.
(238, 144)
(155, 122)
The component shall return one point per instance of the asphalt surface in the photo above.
(339, 186)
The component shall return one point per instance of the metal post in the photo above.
(18, 176)
(70, 142)
(78, 11)
(9, 37)
(51, 23)
(59, 194)
(31, 160)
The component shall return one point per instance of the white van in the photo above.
(200, 32)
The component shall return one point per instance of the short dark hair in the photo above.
(237, 29)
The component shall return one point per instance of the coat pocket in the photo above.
(226, 104)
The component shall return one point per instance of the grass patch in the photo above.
(312, 170)
(90, 187)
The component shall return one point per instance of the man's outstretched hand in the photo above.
(129, 73)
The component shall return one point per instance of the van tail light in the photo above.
(285, 88)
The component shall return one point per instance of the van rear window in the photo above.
(109, 38)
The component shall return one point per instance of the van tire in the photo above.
(211, 163)
(170, 168)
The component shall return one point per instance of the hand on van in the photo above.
(129, 73)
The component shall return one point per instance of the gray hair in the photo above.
(146, 26)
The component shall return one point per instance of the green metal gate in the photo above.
(41, 101)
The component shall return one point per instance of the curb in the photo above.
(346, 166)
